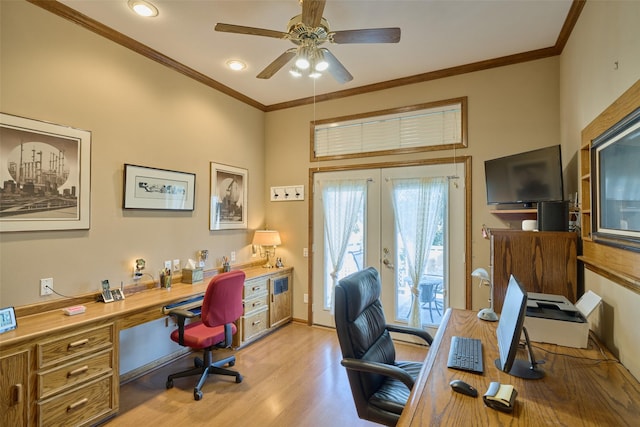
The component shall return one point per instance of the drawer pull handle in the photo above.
(79, 343)
(17, 393)
(255, 288)
(77, 404)
(78, 371)
(257, 322)
(257, 303)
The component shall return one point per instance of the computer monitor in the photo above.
(510, 328)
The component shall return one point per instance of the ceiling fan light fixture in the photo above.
(315, 74)
(321, 64)
(303, 56)
(295, 71)
(143, 8)
(302, 63)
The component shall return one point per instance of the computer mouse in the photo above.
(464, 388)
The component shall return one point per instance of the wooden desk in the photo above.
(580, 387)
(64, 370)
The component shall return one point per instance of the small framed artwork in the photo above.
(8, 320)
(228, 205)
(45, 172)
(151, 188)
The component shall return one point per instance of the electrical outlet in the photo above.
(305, 252)
(176, 265)
(167, 265)
(46, 286)
(305, 298)
(233, 256)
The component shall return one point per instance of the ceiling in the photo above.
(437, 35)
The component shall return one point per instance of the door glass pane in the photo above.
(431, 287)
(353, 257)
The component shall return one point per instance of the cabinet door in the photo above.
(14, 389)
(280, 300)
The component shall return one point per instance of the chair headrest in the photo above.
(362, 289)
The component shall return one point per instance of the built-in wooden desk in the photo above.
(586, 387)
(63, 370)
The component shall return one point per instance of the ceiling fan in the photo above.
(308, 31)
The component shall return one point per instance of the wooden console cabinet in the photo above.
(267, 305)
(68, 378)
(542, 261)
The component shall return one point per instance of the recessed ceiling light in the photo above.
(143, 8)
(236, 65)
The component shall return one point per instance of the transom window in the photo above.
(425, 127)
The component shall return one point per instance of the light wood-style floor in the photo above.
(292, 377)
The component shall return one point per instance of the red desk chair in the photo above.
(222, 305)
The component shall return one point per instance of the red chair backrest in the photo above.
(222, 302)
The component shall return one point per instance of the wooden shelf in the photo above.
(515, 214)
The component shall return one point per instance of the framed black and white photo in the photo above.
(152, 188)
(228, 204)
(45, 175)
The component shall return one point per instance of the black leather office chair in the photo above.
(221, 306)
(380, 385)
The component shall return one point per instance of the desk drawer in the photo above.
(254, 324)
(81, 406)
(254, 304)
(84, 342)
(255, 287)
(57, 379)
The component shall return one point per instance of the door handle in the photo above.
(387, 263)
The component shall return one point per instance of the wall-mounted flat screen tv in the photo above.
(525, 178)
(615, 180)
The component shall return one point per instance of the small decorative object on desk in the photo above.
(165, 278)
(279, 263)
(225, 264)
(500, 396)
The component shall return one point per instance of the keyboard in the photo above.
(466, 354)
(192, 304)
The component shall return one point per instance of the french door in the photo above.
(355, 226)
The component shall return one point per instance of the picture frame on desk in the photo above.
(8, 321)
(228, 201)
(158, 189)
(45, 173)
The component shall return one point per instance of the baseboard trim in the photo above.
(152, 366)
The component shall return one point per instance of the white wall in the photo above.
(600, 62)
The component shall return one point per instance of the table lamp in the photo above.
(486, 313)
(267, 240)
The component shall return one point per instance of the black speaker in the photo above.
(553, 216)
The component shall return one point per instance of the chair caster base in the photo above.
(169, 384)
(238, 379)
(197, 395)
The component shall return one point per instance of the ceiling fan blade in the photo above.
(277, 64)
(312, 12)
(336, 68)
(239, 29)
(370, 35)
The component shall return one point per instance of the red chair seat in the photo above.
(199, 336)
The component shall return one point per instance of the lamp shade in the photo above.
(266, 238)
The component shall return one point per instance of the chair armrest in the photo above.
(411, 331)
(180, 312)
(181, 316)
(379, 368)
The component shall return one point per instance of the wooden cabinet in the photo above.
(267, 304)
(67, 378)
(76, 377)
(280, 299)
(544, 262)
(14, 389)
